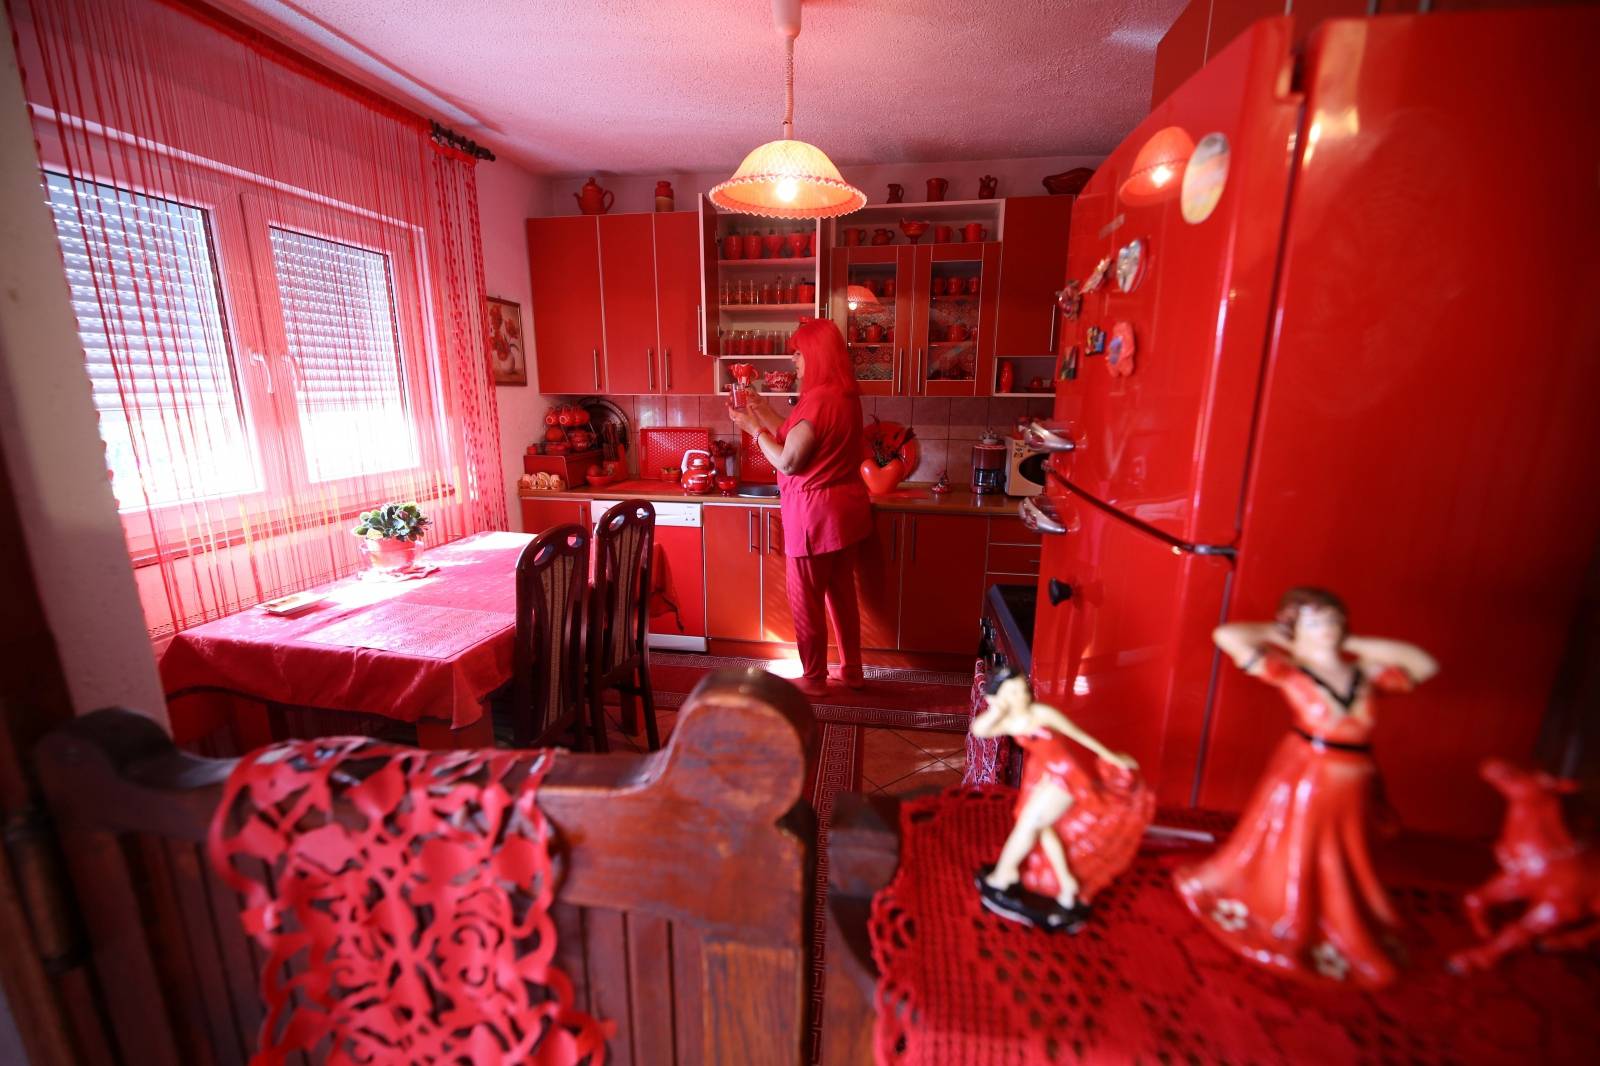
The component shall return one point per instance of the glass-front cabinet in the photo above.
(919, 319)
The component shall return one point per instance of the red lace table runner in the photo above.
(414, 926)
(1144, 982)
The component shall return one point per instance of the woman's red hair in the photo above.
(828, 365)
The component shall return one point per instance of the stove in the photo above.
(1005, 635)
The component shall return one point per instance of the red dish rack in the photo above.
(664, 446)
(753, 466)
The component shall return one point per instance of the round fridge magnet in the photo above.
(1119, 355)
(1204, 178)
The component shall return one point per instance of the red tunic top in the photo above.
(825, 506)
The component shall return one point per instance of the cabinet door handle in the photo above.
(596, 353)
(894, 540)
(666, 366)
(700, 329)
(913, 521)
(650, 369)
(1055, 322)
(894, 371)
(750, 525)
(918, 384)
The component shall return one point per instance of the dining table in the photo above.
(426, 649)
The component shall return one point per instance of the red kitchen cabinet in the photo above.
(941, 587)
(628, 286)
(568, 331)
(1033, 260)
(777, 621)
(685, 368)
(878, 583)
(733, 577)
(877, 330)
(539, 515)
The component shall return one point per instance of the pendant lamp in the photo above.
(1158, 168)
(859, 296)
(787, 178)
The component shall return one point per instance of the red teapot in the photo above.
(882, 236)
(592, 199)
(698, 471)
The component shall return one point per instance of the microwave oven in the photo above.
(1025, 470)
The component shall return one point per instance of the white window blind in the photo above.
(150, 313)
(339, 319)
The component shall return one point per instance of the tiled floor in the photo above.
(895, 762)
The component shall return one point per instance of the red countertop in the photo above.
(912, 496)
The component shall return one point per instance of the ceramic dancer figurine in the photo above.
(1293, 888)
(1552, 875)
(1074, 830)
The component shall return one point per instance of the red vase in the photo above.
(1008, 377)
(882, 480)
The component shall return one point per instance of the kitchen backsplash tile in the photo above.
(948, 428)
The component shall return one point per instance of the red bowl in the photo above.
(726, 483)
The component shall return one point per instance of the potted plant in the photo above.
(893, 457)
(391, 536)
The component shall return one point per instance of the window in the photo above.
(151, 292)
(339, 321)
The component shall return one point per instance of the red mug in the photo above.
(732, 247)
(874, 333)
(941, 235)
(854, 236)
(974, 283)
(972, 231)
(805, 292)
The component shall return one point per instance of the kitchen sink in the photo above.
(758, 492)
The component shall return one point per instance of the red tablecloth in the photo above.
(1143, 982)
(431, 647)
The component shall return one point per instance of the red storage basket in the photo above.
(664, 446)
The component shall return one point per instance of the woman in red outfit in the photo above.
(817, 451)
(1293, 888)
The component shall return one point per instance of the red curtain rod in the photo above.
(297, 61)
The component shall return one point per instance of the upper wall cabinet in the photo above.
(616, 304)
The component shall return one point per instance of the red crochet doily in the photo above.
(1144, 982)
(414, 929)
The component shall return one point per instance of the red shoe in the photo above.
(812, 686)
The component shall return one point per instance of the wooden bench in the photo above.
(684, 909)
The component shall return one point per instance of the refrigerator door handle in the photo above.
(1041, 515)
(1051, 436)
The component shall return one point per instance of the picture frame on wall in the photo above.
(508, 357)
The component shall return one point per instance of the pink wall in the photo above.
(1018, 177)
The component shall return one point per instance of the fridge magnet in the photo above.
(1069, 364)
(1293, 888)
(508, 363)
(1069, 301)
(1130, 265)
(1074, 829)
(1119, 353)
(1204, 179)
(1097, 277)
(1094, 341)
(1549, 879)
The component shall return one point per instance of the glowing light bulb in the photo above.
(1160, 175)
(852, 305)
(787, 190)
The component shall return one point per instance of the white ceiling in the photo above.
(624, 86)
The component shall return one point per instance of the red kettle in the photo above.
(592, 199)
(698, 470)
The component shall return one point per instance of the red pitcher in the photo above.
(936, 189)
(592, 199)
(973, 232)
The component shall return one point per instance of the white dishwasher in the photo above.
(678, 585)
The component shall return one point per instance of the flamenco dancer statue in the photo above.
(1074, 831)
(1293, 888)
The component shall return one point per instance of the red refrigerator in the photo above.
(1355, 345)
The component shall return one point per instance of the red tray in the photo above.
(664, 446)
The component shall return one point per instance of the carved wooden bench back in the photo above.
(683, 908)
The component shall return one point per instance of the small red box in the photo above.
(573, 466)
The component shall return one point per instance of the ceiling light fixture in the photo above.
(788, 178)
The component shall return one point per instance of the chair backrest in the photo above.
(547, 663)
(683, 905)
(624, 540)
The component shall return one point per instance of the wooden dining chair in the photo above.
(619, 654)
(681, 896)
(548, 696)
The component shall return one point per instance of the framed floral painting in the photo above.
(508, 360)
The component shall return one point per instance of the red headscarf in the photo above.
(828, 365)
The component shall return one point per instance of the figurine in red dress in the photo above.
(1074, 831)
(1293, 888)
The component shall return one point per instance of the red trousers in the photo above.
(830, 577)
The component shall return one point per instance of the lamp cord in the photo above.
(788, 88)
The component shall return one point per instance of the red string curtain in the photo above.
(279, 285)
